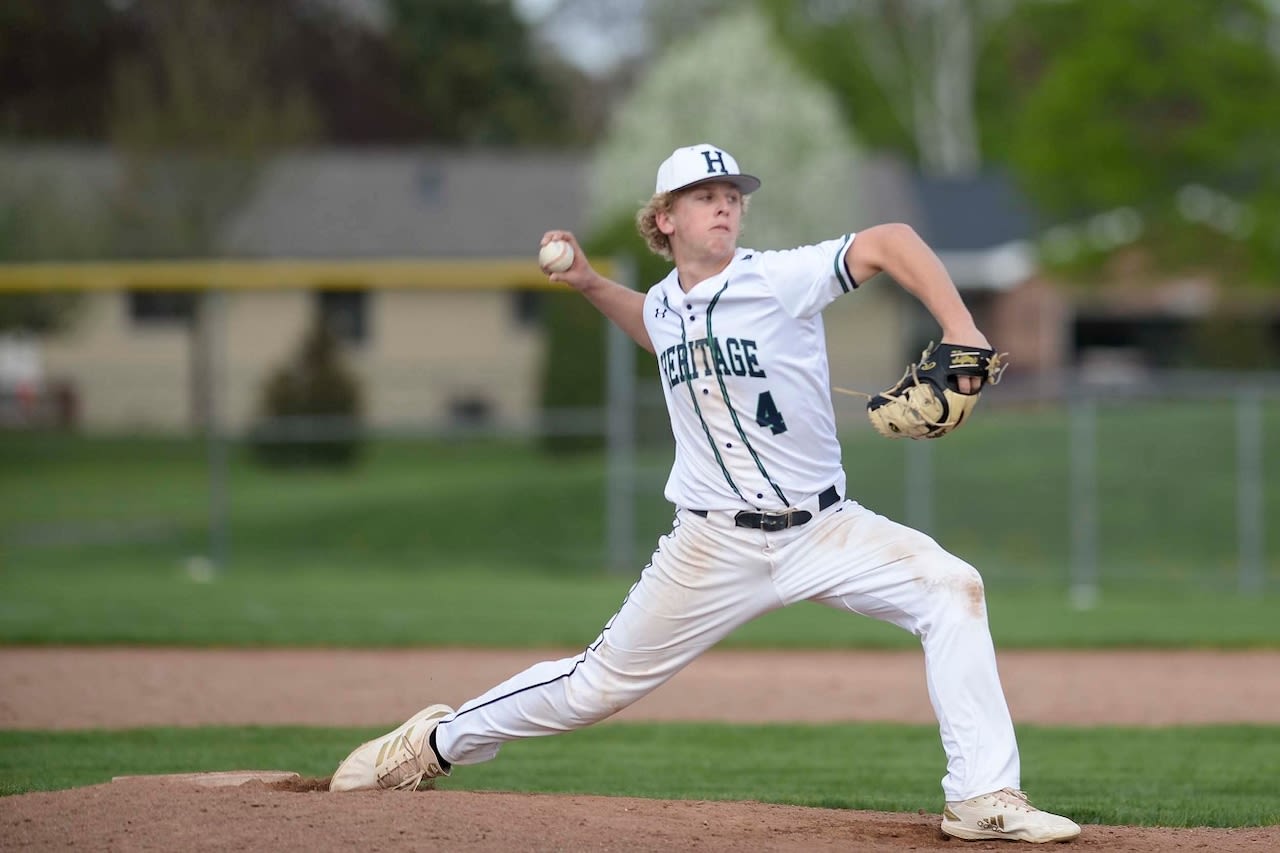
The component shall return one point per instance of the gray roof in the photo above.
(442, 202)
(981, 227)
(409, 203)
(352, 203)
(975, 212)
(951, 214)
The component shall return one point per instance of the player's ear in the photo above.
(662, 219)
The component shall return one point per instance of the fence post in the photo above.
(211, 340)
(1249, 525)
(919, 491)
(1083, 461)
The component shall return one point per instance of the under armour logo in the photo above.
(714, 161)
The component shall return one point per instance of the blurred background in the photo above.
(269, 300)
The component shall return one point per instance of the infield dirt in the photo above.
(48, 689)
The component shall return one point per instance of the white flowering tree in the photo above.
(909, 66)
(731, 85)
(728, 84)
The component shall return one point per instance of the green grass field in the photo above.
(476, 606)
(1202, 776)
(1001, 500)
(494, 544)
(97, 538)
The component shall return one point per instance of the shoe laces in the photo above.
(1012, 798)
(402, 769)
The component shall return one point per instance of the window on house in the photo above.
(346, 313)
(470, 411)
(162, 307)
(526, 307)
(430, 183)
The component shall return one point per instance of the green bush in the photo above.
(310, 409)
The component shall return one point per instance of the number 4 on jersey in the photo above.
(767, 414)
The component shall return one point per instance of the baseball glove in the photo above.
(927, 402)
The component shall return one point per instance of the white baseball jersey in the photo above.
(743, 361)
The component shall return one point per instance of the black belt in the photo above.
(771, 522)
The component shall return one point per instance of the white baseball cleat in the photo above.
(1005, 814)
(398, 760)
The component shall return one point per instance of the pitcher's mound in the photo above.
(217, 779)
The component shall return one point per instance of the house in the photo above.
(135, 358)
(984, 233)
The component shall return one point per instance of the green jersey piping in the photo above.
(842, 272)
(724, 392)
(693, 398)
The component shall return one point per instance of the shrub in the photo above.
(310, 408)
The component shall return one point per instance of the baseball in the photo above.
(556, 256)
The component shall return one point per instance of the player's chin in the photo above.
(722, 242)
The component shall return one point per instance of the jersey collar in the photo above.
(673, 290)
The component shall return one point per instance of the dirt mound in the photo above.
(301, 785)
(167, 815)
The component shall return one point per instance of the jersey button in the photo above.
(759, 495)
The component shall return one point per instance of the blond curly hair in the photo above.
(647, 222)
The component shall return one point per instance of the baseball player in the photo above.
(763, 517)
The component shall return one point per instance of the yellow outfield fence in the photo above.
(280, 273)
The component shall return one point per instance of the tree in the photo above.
(728, 83)
(194, 122)
(443, 71)
(905, 71)
(55, 67)
(611, 37)
(1160, 111)
(732, 85)
(470, 66)
(1139, 120)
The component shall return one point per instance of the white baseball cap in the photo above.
(699, 164)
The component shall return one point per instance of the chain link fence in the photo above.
(1167, 484)
(1167, 481)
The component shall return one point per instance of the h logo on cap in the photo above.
(684, 168)
(713, 161)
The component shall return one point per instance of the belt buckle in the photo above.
(772, 522)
